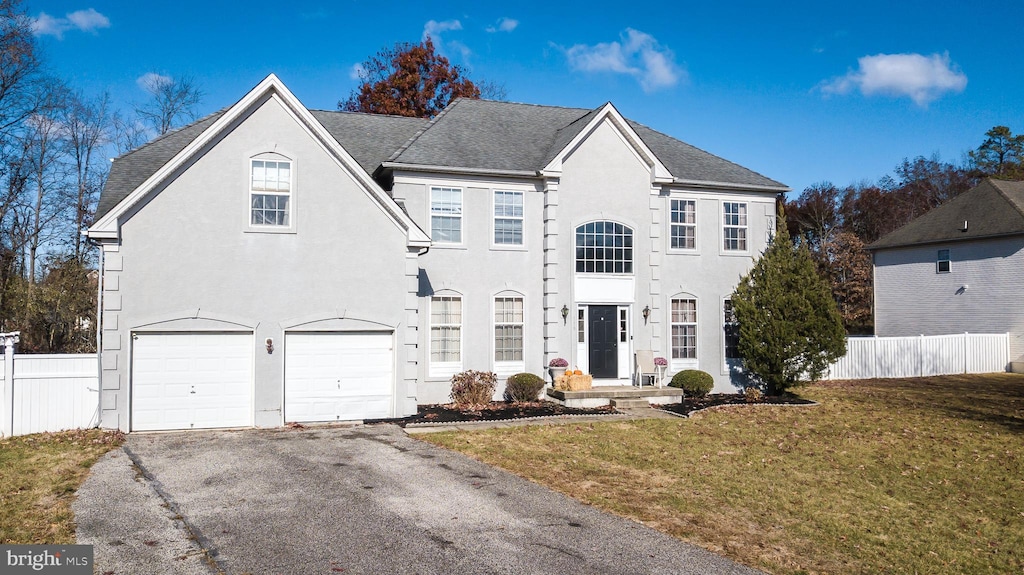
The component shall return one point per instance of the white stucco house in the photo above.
(957, 268)
(270, 263)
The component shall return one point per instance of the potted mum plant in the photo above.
(660, 364)
(557, 368)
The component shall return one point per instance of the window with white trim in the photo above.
(446, 215)
(684, 224)
(731, 331)
(445, 334)
(684, 328)
(604, 247)
(508, 218)
(508, 329)
(942, 265)
(270, 188)
(734, 230)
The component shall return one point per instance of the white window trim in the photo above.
(461, 216)
(445, 369)
(494, 220)
(292, 211)
(509, 367)
(696, 224)
(722, 227)
(948, 260)
(632, 260)
(679, 364)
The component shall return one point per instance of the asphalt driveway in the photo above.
(347, 500)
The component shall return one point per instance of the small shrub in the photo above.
(753, 394)
(473, 388)
(694, 382)
(523, 387)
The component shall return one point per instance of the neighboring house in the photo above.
(270, 264)
(958, 268)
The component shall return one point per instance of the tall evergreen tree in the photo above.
(790, 327)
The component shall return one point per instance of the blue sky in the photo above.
(802, 92)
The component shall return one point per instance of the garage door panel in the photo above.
(191, 380)
(338, 376)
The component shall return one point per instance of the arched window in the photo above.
(604, 248)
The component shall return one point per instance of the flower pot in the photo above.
(556, 372)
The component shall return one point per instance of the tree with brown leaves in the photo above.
(408, 80)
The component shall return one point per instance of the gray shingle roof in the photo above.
(992, 208)
(468, 134)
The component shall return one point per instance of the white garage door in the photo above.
(338, 376)
(191, 380)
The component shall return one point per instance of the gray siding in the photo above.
(187, 260)
(911, 298)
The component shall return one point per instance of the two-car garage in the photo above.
(197, 380)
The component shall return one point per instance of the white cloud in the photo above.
(638, 54)
(152, 81)
(88, 20)
(918, 77)
(503, 25)
(356, 72)
(433, 29)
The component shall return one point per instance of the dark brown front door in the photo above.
(604, 342)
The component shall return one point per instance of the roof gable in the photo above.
(992, 208)
(191, 141)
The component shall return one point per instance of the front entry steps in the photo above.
(619, 396)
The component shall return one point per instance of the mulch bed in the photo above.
(690, 405)
(495, 411)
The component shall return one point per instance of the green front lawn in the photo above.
(918, 475)
(39, 475)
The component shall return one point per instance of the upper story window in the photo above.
(942, 262)
(446, 215)
(604, 247)
(270, 188)
(684, 224)
(508, 218)
(734, 231)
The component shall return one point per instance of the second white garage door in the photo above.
(338, 376)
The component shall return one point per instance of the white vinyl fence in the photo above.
(871, 357)
(48, 393)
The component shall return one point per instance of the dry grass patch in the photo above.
(917, 475)
(39, 475)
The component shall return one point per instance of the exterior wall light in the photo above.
(647, 313)
(565, 314)
(270, 345)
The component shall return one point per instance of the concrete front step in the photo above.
(629, 403)
(603, 395)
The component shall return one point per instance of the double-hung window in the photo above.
(508, 330)
(942, 262)
(684, 329)
(446, 215)
(270, 188)
(508, 218)
(684, 224)
(734, 230)
(445, 335)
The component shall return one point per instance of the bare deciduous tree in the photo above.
(173, 101)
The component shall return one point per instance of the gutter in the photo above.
(451, 170)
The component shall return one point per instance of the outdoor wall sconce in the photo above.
(565, 314)
(270, 345)
(647, 313)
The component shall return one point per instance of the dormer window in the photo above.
(270, 187)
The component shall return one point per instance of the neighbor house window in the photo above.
(446, 215)
(446, 332)
(270, 187)
(508, 329)
(734, 230)
(684, 329)
(732, 331)
(942, 262)
(684, 224)
(508, 218)
(604, 247)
